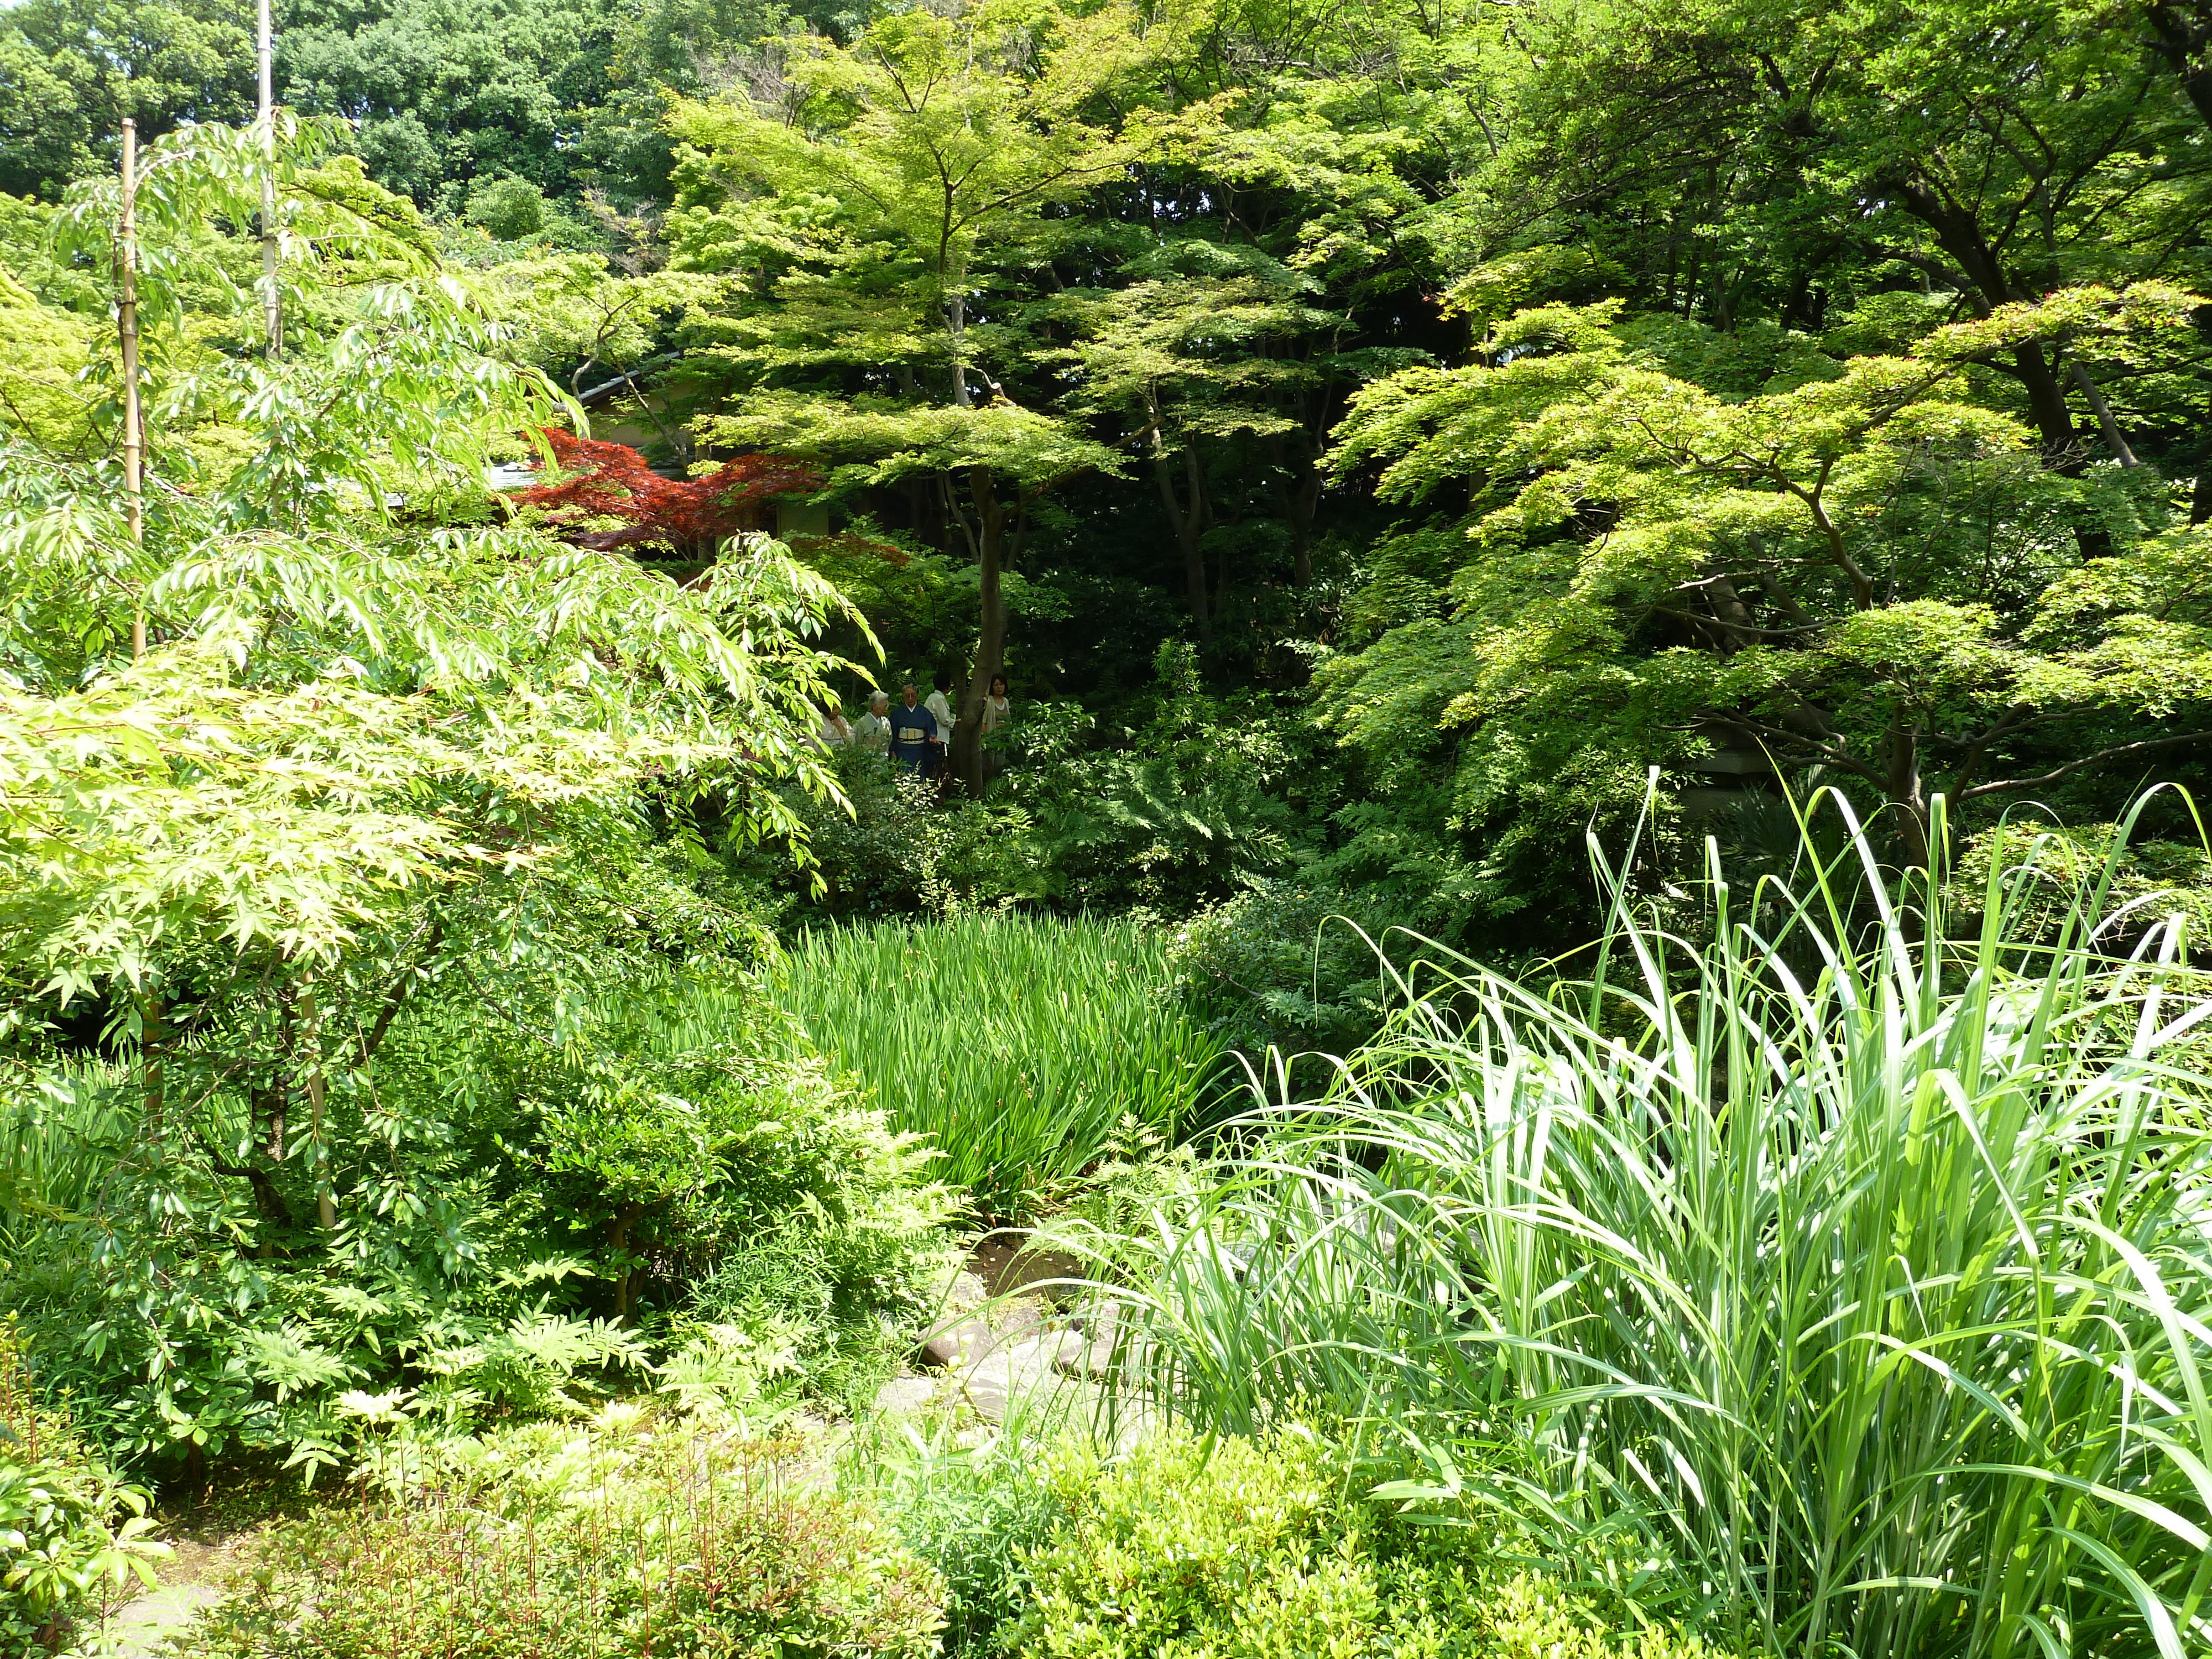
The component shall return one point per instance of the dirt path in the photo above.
(190, 1579)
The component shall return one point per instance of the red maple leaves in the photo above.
(689, 517)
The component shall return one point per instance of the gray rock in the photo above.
(961, 1292)
(988, 1386)
(958, 1343)
(1020, 1368)
(1096, 1359)
(906, 1394)
(1055, 1351)
(1087, 1359)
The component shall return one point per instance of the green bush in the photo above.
(1290, 967)
(1266, 1548)
(1179, 807)
(975, 1510)
(69, 1528)
(532, 1186)
(903, 848)
(639, 1538)
(2152, 879)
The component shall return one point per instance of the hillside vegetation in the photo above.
(1527, 983)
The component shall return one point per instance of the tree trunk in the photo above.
(1304, 495)
(2108, 426)
(151, 1040)
(272, 307)
(1908, 801)
(990, 634)
(326, 1208)
(273, 1126)
(1185, 522)
(956, 325)
(618, 1245)
(1960, 236)
(1731, 615)
(2181, 42)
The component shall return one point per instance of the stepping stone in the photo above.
(1089, 1359)
(991, 1382)
(958, 1345)
(986, 1387)
(962, 1292)
(903, 1395)
(146, 1622)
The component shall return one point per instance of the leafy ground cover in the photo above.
(1024, 1047)
(624, 1535)
(642, 1532)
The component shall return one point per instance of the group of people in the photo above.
(916, 732)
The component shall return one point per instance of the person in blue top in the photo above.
(913, 729)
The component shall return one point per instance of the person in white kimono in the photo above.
(941, 753)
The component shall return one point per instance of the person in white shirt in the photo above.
(836, 731)
(936, 705)
(875, 731)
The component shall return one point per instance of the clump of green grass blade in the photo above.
(1022, 1045)
(1864, 1271)
(62, 1129)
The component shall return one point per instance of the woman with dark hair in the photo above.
(995, 712)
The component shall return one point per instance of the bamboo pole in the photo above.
(134, 503)
(272, 308)
(127, 328)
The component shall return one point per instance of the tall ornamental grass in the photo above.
(1860, 1272)
(62, 1128)
(1022, 1045)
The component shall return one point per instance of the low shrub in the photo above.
(2042, 867)
(526, 1210)
(976, 1509)
(1291, 966)
(636, 1537)
(1179, 807)
(902, 848)
(1267, 1547)
(70, 1529)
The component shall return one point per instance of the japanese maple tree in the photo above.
(689, 517)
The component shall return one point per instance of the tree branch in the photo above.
(2117, 751)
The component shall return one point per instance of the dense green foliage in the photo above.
(1263, 1547)
(371, 1024)
(1173, 803)
(1834, 1254)
(1025, 1050)
(1499, 401)
(71, 1532)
